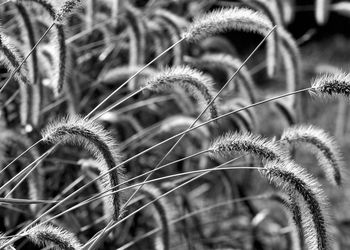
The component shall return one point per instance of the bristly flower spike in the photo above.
(330, 85)
(322, 145)
(228, 19)
(48, 235)
(231, 143)
(92, 137)
(67, 7)
(194, 82)
(293, 180)
(240, 19)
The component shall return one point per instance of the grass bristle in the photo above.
(52, 236)
(331, 85)
(194, 82)
(92, 137)
(232, 143)
(322, 145)
(292, 179)
(227, 19)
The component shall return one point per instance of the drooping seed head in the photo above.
(293, 180)
(67, 7)
(241, 19)
(48, 235)
(193, 82)
(331, 85)
(94, 138)
(322, 145)
(231, 143)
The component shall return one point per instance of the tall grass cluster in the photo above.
(141, 125)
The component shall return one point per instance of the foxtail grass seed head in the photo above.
(322, 145)
(194, 82)
(240, 19)
(232, 143)
(48, 235)
(96, 140)
(293, 180)
(331, 85)
(225, 20)
(66, 9)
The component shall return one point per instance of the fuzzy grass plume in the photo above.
(231, 143)
(240, 19)
(194, 82)
(293, 180)
(225, 20)
(52, 236)
(92, 137)
(322, 145)
(331, 85)
(66, 9)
